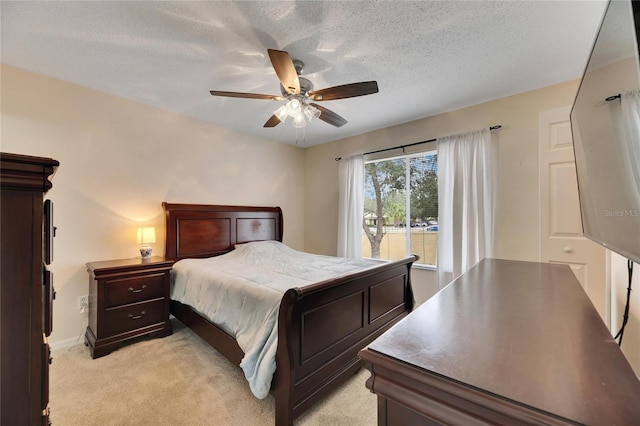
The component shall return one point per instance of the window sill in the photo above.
(421, 266)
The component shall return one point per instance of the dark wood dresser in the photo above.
(128, 298)
(26, 285)
(508, 343)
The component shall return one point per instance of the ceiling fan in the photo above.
(299, 93)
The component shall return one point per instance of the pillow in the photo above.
(257, 243)
(260, 247)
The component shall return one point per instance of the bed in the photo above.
(320, 326)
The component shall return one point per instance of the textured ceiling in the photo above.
(427, 57)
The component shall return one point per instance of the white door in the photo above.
(561, 239)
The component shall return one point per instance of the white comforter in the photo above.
(241, 292)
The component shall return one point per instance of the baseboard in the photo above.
(66, 343)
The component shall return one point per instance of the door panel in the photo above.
(561, 239)
(564, 211)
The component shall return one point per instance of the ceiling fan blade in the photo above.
(273, 121)
(285, 70)
(345, 91)
(329, 116)
(245, 95)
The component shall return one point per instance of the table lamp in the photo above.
(146, 236)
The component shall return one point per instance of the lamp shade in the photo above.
(299, 121)
(146, 235)
(311, 112)
(281, 113)
(293, 107)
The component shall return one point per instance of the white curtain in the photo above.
(630, 104)
(351, 207)
(465, 202)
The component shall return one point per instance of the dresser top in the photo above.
(136, 263)
(525, 332)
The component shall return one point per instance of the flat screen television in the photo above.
(605, 122)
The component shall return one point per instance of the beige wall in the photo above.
(119, 160)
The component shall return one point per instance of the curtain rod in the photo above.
(613, 98)
(496, 127)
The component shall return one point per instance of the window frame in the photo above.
(406, 157)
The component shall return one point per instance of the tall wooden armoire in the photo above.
(26, 288)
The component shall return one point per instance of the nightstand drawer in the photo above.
(134, 289)
(131, 317)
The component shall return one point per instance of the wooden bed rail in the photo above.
(298, 293)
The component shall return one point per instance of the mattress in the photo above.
(241, 291)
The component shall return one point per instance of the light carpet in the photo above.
(180, 380)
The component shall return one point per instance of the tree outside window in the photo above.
(401, 208)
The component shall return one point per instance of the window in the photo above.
(401, 208)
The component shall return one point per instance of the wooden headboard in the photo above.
(199, 230)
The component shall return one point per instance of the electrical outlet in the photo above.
(83, 303)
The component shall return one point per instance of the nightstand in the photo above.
(128, 298)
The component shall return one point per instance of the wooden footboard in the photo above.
(322, 327)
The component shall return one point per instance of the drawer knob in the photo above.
(135, 317)
(137, 291)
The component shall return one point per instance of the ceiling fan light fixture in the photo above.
(293, 108)
(311, 112)
(281, 113)
(299, 121)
